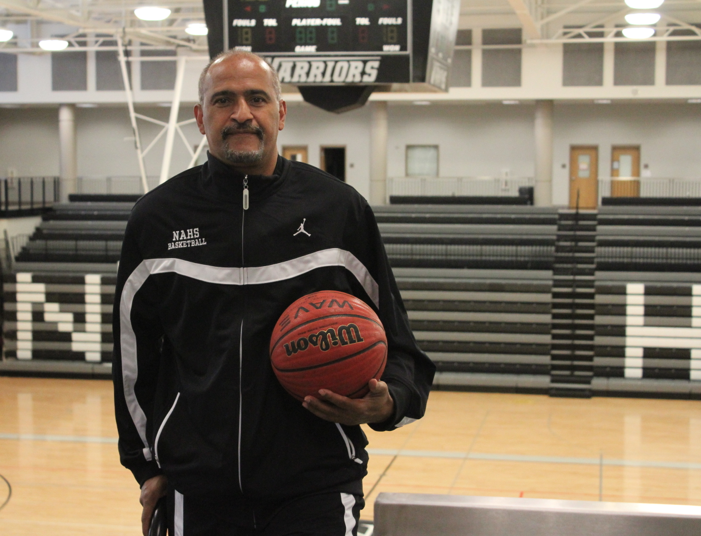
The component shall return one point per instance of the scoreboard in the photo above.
(320, 26)
(319, 41)
(342, 43)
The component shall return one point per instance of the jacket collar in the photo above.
(221, 179)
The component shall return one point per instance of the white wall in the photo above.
(669, 136)
(313, 127)
(29, 141)
(473, 139)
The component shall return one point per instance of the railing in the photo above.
(456, 186)
(24, 196)
(648, 187)
(115, 184)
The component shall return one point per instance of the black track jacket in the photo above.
(201, 284)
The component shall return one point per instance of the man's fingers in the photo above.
(146, 514)
(152, 490)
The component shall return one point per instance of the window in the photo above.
(157, 74)
(8, 72)
(422, 160)
(634, 64)
(461, 73)
(501, 67)
(108, 71)
(683, 60)
(69, 69)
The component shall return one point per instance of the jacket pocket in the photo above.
(350, 447)
(160, 429)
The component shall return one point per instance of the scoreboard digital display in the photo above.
(319, 26)
(311, 42)
(341, 45)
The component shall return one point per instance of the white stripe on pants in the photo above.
(178, 514)
(348, 501)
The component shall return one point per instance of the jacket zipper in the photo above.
(160, 429)
(349, 445)
(246, 201)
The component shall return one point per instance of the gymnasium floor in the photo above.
(58, 453)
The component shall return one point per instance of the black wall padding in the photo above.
(456, 200)
(652, 201)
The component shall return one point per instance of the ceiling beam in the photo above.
(530, 26)
(565, 11)
(53, 15)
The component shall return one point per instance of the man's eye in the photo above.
(221, 100)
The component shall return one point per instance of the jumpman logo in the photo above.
(301, 228)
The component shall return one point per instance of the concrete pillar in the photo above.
(68, 150)
(543, 194)
(378, 153)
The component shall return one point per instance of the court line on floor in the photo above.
(534, 459)
(421, 454)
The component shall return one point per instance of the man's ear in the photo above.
(283, 114)
(199, 117)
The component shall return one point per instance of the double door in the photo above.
(584, 174)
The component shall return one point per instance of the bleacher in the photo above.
(82, 236)
(477, 284)
(648, 293)
(508, 298)
(58, 298)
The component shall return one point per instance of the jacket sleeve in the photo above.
(409, 372)
(135, 361)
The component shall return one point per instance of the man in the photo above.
(210, 260)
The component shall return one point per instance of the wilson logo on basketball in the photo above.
(325, 339)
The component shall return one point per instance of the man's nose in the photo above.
(242, 112)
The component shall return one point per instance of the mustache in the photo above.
(242, 128)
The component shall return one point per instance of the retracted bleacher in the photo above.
(477, 285)
(58, 299)
(648, 300)
(508, 298)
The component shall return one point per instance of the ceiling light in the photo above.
(197, 28)
(694, 101)
(53, 45)
(5, 35)
(641, 32)
(643, 18)
(510, 102)
(644, 4)
(421, 102)
(86, 105)
(152, 13)
(602, 101)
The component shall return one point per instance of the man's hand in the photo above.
(376, 406)
(152, 490)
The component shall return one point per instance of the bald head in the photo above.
(239, 54)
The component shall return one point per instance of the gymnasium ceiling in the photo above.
(541, 20)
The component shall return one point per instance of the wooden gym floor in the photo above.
(58, 454)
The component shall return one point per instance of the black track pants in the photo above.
(324, 514)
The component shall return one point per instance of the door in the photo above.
(584, 176)
(625, 171)
(298, 153)
(333, 161)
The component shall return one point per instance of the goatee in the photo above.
(243, 157)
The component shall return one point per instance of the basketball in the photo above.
(328, 340)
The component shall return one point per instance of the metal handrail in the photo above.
(14, 200)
